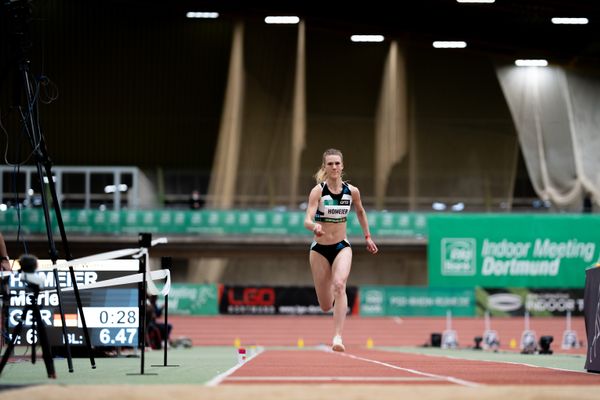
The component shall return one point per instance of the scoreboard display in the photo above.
(111, 312)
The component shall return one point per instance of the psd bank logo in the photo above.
(458, 256)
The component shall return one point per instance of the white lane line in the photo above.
(523, 364)
(398, 320)
(414, 371)
(328, 379)
(219, 378)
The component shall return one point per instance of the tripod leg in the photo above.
(46, 351)
(11, 345)
(55, 203)
(86, 333)
(64, 324)
(166, 338)
(33, 329)
(51, 243)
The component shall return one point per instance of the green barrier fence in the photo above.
(214, 222)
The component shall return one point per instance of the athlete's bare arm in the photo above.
(361, 214)
(311, 210)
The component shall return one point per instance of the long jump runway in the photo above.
(383, 367)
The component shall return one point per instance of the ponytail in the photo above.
(320, 175)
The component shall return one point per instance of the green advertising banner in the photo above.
(405, 301)
(535, 251)
(206, 221)
(190, 299)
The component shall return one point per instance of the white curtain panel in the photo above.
(557, 118)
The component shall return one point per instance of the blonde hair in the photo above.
(321, 174)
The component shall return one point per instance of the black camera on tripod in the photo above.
(33, 282)
(29, 265)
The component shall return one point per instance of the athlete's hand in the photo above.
(318, 230)
(371, 246)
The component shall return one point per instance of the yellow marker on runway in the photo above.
(252, 351)
(237, 343)
(513, 343)
(370, 343)
(300, 343)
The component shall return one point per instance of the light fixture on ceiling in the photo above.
(444, 44)
(282, 19)
(367, 38)
(202, 14)
(570, 21)
(531, 63)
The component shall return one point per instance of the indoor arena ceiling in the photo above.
(514, 28)
(519, 28)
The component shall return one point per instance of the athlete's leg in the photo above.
(321, 273)
(340, 271)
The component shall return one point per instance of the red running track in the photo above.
(380, 367)
(316, 330)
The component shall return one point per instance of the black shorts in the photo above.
(329, 251)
